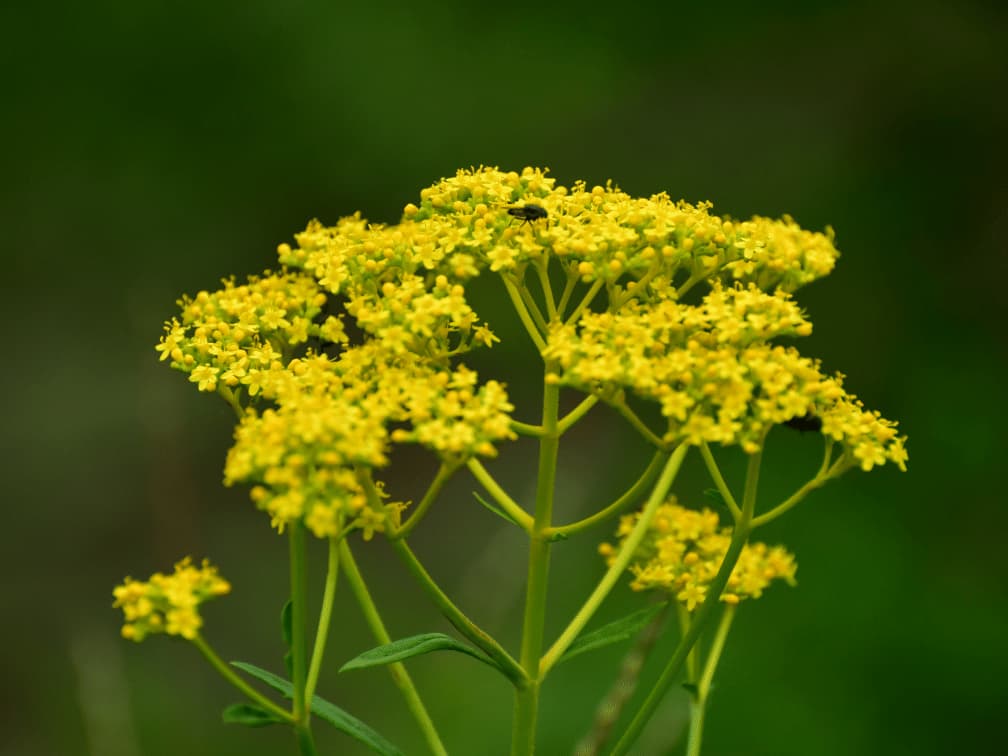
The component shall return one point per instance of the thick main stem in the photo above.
(526, 705)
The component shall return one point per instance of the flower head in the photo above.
(334, 422)
(231, 337)
(665, 300)
(168, 603)
(682, 552)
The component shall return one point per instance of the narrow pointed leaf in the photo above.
(415, 645)
(250, 715)
(330, 712)
(495, 509)
(349, 724)
(614, 632)
(286, 621)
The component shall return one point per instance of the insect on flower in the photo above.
(806, 422)
(528, 213)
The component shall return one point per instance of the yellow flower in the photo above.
(168, 603)
(682, 552)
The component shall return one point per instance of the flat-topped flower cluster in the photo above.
(320, 410)
(683, 550)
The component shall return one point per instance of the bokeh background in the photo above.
(152, 148)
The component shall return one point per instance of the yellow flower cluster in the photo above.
(604, 233)
(404, 283)
(316, 425)
(682, 552)
(401, 284)
(331, 423)
(715, 375)
(232, 337)
(168, 603)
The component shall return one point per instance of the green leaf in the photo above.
(614, 632)
(495, 509)
(330, 712)
(415, 645)
(352, 726)
(250, 715)
(286, 622)
(691, 688)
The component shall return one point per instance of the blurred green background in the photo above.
(152, 148)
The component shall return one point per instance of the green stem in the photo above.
(325, 616)
(444, 473)
(229, 674)
(231, 397)
(693, 658)
(631, 417)
(299, 599)
(585, 301)
(542, 269)
(699, 274)
(576, 414)
(306, 744)
(399, 674)
(619, 564)
(698, 703)
(632, 495)
(827, 454)
(751, 484)
(719, 481)
(299, 590)
(509, 505)
(692, 281)
(634, 287)
(526, 704)
(789, 502)
(457, 618)
(740, 534)
(523, 313)
(822, 477)
(609, 710)
(525, 429)
(717, 646)
(572, 279)
(533, 308)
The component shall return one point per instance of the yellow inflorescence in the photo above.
(682, 553)
(687, 309)
(168, 603)
(715, 375)
(331, 421)
(232, 338)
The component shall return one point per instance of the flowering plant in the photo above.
(356, 345)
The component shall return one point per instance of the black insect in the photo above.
(528, 213)
(806, 422)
